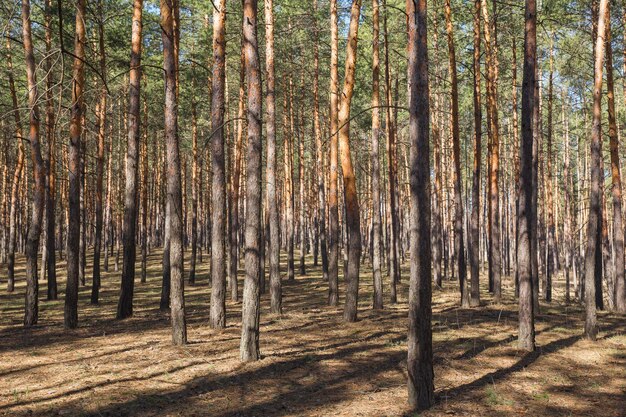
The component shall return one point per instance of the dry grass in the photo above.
(313, 364)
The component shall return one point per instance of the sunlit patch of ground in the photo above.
(313, 364)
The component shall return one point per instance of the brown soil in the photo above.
(313, 364)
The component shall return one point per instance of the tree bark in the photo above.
(459, 246)
(218, 207)
(249, 348)
(333, 194)
(101, 129)
(549, 205)
(51, 163)
(495, 250)
(270, 97)
(375, 165)
(595, 199)
(353, 222)
(420, 351)
(76, 127)
(616, 189)
(526, 337)
(475, 215)
(31, 313)
(174, 193)
(19, 167)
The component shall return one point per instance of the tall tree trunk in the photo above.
(174, 193)
(420, 350)
(595, 199)
(321, 190)
(288, 158)
(31, 313)
(101, 129)
(353, 222)
(333, 193)
(475, 216)
(526, 337)
(568, 187)
(144, 187)
(51, 163)
(195, 181)
(235, 181)
(616, 189)
(302, 193)
(549, 205)
(274, 236)
(495, 251)
(125, 304)
(392, 164)
(249, 348)
(218, 207)
(19, 167)
(459, 246)
(76, 127)
(375, 164)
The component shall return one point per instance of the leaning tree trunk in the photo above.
(174, 192)
(76, 127)
(218, 207)
(31, 313)
(420, 349)
(353, 222)
(125, 305)
(249, 348)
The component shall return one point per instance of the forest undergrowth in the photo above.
(313, 364)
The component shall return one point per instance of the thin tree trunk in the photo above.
(495, 250)
(218, 207)
(616, 190)
(274, 236)
(459, 246)
(235, 182)
(195, 189)
(549, 204)
(51, 163)
(320, 156)
(375, 165)
(475, 216)
(19, 167)
(76, 127)
(101, 129)
(249, 348)
(31, 313)
(595, 199)
(333, 195)
(125, 304)
(144, 187)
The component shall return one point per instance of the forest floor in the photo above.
(313, 364)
